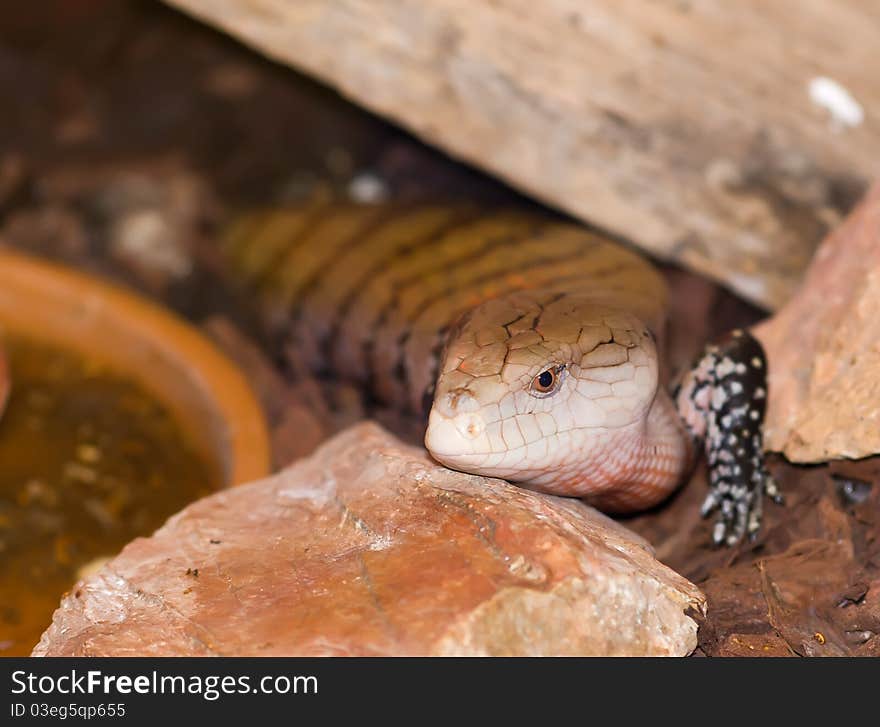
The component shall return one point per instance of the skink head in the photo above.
(530, 383)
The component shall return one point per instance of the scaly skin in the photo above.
(721, 401)
(466, 310)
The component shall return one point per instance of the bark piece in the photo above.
(823, 349)
(724, 136)
(370, 548)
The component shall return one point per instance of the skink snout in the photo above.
(454, 424)
(460, 406)
(456, 402)
(470, 426)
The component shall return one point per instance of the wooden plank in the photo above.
(726, 136)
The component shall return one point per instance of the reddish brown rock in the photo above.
(368, 547)
(824, 349)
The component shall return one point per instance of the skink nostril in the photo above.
(470, 426)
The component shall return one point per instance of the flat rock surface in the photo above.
(822, 349)
(369, 548)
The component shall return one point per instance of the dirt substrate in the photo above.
(133, 133)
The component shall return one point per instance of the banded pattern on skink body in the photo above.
(469, 309)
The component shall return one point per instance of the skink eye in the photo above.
(547, 381)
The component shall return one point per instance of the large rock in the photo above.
(368, 547)
(724, 136)
(824, 349)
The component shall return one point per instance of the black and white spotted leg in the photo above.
(722, 401)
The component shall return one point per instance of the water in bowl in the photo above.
(89, 460)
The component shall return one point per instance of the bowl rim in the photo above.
(218, 379)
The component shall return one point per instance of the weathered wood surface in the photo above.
(700, 130)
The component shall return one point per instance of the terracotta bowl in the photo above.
(205, 391)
